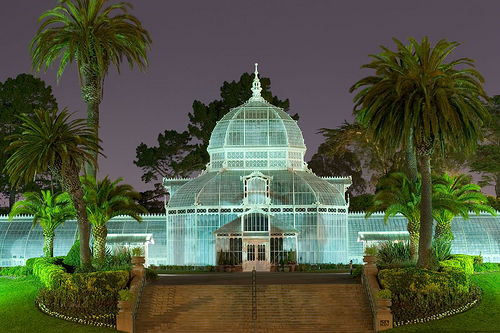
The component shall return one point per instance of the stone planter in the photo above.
(370, 260)
(384, 303)
(124, 306)
(138, 260)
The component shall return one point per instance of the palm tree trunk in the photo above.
(443, 230)
(73, 186)
(497, 185)
(425, 242)
(414, 237)
(92, 95)
(48, 243)
(412, 159)
(100, 232)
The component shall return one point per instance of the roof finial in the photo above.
(256, 89)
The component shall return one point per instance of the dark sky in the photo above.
(311, 50)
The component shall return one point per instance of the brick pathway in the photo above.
(171, 306)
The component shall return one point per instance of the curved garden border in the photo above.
(85, 321)
(442, 315)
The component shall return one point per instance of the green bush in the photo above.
(384, 294)
(487, 267)
(110, 281)
(15, 271)
(478, 260)
(29, 264)
(371, 250)
(466, 261)
(73, 256)
(419, 293)
(151, 275)
(441, 249)
(392, 255)
(49, 273)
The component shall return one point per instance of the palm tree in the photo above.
(51, 141)
(47, 209)
(417, 102)
(84, 31)
(105, 200)
(463, 195)
(396, 194)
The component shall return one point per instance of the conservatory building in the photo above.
(256, 204)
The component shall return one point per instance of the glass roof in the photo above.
(286, 188)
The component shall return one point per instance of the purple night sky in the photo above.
(311, 50)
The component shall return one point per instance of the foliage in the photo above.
(360, 203)
(481, 318)
(396, 194)
(125, 295)
(391, 255)
(326, 164)
(50, 210)
(383, 294)
(487, 267)
(416, 102)
(15, 271)
(494, 203)
(460, 261)
(181, 154)
(52, 140)
(104, 200)
(19, 314)
(49, 273)
(419, 293)
(487, 155)
(187, 268)
(29, 264)
(441, 249)
(461, 196)
(87, 32)
(151, 275)
(371, 250)
(18, 96)
(138, 251)
(73, 256)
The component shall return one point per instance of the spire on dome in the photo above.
(256, 89)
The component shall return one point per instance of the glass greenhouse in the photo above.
(256, 205)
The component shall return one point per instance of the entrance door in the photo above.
(256, 255)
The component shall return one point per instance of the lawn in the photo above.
(19, 314)
(483, 318)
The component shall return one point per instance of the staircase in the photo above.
(280, 308)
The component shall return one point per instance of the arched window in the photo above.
(256, 189)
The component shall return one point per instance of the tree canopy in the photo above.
(20, 95)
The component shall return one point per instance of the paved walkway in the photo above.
(284, 302)
(262, 278)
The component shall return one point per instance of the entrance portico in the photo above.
(255, 240)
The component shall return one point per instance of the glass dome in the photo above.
(256, 135)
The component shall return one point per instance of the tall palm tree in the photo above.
(396, 194)
(105, 200)
(463, 195)
(87, 32)
(417, 101)
(51, 140)
(50, 210)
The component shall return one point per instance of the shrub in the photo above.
(111, 281)
(73, 256)
(419, 293)
(49, 274)
(384, 294)
(441, 249)
(466, 262)
(29, 264)
(151, 275)
(371, 250)
(487, 267)
(125, 295)
(138, 251)
(478, 260)
(15, 271)
(391, 255)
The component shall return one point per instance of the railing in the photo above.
(254, 295)
(381, 313)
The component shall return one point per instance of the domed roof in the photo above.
(225, 188)
(259, 133)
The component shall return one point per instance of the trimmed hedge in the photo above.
(49, 274)
(73, 256)
(487, 267)
(14, 271)
(421, 293)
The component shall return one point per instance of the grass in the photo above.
(19, 313)
(482, 318)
